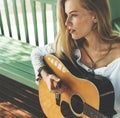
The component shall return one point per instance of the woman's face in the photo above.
(79, 21)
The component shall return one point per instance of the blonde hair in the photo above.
(65, 44)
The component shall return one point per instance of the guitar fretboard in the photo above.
(92, 113)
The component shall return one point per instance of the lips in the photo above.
(71, 31)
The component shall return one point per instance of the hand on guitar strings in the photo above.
(52, 80)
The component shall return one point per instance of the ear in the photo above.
(94, 18)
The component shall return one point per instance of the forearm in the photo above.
(37, 57)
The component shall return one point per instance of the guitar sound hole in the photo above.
(66, 111)
(77, 104)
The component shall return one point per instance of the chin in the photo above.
(76, 38)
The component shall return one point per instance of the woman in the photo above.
(85, 37)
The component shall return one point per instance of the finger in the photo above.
(59, 90)
(55, 78)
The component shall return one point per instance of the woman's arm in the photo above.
(37, 57)
(41, 72)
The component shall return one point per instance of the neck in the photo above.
(93, 42)
(96, 45)
(101, 53)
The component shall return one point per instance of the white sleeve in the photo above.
(38, 54)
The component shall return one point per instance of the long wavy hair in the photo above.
(65, 45)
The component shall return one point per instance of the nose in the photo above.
(68, 21)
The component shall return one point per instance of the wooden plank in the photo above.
(7, 17)
(18, 71)
(19, 76)
(24, 13)
(43, 9)
(48, 1)
(21, 96)
(54, 19)
(24, 65)
(21, 7)
(33, 7)
(1, 25)
(13, 46)
(20, 57)
(16, 18)
(9, 110)
(15, 62)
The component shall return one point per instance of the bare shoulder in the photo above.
(116, 50)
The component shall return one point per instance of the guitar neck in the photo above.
(92, 113)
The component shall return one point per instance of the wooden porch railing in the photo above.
(38, 9)
(24, 24)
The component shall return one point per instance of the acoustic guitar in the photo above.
(89, 97)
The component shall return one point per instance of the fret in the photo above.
(92, 113)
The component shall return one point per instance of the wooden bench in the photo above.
(15, 60)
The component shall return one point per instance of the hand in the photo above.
(52, 80)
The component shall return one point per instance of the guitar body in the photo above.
(83, 98)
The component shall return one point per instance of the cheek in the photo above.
(85, 25)
(83, 30)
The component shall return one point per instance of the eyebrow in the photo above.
(73, 11)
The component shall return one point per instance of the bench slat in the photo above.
(16, 18)
(7, 17)
(1, 24)
(23, 5)
(43, 8)
(33, 3)
(54, 19)
(18, 75)
(19, 66)
(15, 61)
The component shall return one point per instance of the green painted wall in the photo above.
(115, 8)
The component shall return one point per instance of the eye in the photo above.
(66, 16)
(73, 15)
